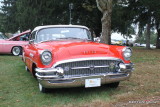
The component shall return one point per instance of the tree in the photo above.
(142, 37)
(146, 13)
(31, 13)
(105, 6)
(122, 22)
(9, 16)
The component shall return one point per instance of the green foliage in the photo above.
(141, 12)
(142, 38)
(122, 18)
(8, 16)
(27, 14)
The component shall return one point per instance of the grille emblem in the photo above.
(91, 67)
(66, 68)
(112, 65)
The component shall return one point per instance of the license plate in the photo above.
(96, 82)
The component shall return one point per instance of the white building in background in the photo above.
(118, 36)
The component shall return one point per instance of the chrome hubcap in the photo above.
(16, 50)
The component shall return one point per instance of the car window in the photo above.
(32, 36)
(60, 33)
(24, 37)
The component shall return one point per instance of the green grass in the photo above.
(19, 89)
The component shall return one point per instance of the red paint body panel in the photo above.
(70, 49)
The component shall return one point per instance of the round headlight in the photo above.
(46, 57)
(127, 53)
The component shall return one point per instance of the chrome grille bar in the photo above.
(76, 68)
(104, 66)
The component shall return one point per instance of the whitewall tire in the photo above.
(16, 51)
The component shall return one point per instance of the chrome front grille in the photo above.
(89, 67)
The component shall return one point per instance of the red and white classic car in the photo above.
(62, 56)
(14, 44)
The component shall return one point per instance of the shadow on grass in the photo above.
(6, 55)
(81, 90)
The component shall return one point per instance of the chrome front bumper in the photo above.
(57, 81)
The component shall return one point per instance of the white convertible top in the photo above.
(48, 26)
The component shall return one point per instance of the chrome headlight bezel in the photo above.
(46, 57)
(127, 53)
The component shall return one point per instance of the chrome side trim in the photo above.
(85, 59)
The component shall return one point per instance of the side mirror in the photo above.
(97, 39)
(31, 41)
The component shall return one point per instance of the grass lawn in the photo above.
(19, 89)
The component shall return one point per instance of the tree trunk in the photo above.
(148, 35)
(105, 6)
(106, 28)
(158, 39)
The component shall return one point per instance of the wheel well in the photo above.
(16, 46)
(33, 70)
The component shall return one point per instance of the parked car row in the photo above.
(61, 56)
(144, 45)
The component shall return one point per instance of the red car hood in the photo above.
(67, 49)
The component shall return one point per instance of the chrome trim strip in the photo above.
(45, 77)
(13, 43)
(56, 77)
(77, 82)
(106, 66)
(41, 70)
(85, 59)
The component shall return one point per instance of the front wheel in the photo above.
(113, 85)
(16, 51)
(42, 89)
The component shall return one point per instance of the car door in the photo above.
(5, 46)
(30, 51)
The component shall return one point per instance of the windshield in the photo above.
(3, 36)
(48, 34)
